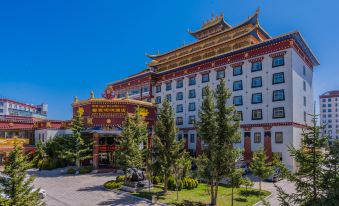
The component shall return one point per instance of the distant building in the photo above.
(329, 113)
(10, 109)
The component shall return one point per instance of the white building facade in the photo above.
(329, 119)
(10, 108)
(271, 80)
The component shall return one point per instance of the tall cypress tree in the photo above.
(310, 158)
(166, 147)
(18, 187)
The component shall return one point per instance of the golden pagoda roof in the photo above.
(113, 101)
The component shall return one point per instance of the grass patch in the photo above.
(200, 196)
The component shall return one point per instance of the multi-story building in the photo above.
(13, 109)
(270, 79)
(329, 119)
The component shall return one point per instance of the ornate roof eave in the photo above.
(300, 39)
(220, 21)
(252, 19)
(116, 100)
(135, 76)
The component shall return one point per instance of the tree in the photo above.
(310, 158)
(39, 154)
(181, 164)
(133, 136)
(247, 182)
(259, 167)
(166, 147)
(219, 128)
(236, 181)
(78, 148)
(18, 185)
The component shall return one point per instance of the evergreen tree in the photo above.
(308, 179)
(259, 166)
(39, 154)
(133, 136)
(236, 180)
(181, 164)
(18, 186)
(78, 148)
(166, 147)
(219, 128)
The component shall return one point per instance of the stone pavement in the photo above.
(82, 190)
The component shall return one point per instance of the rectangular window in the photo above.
(191, 120)
(240, 117)
(257, 137)
(158, 100)
(191, 106)
(237, 85)
(205, 78)
(304, 101)
(220, 74)
(324, 100)
(192, 138)
(203, 91)
(180, 96)
(257, 114)
(256, 82)
(304, 70)
(191, 93)
(169, 97)
(304, 86)
(179, 121)
(329, 105)
(237, 100)
(237, 71)
(256, 66)
(305, 116)
(191, 81)
(278, 95)
(180, 83)
(278, 61)
(257, 98)
(168, 86)
(278, 78)
(278, 112)
(279, 138)
(180, 108)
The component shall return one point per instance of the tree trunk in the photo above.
(77, 163)
(216, 192)
(212, 193)
(232, 197)
(259, 187)
(165, 183)
(176, 187)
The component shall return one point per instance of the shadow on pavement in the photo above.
(92, 188)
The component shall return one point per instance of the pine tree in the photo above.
(166, 147)
(259, 167)
(219, 128)
(308, 179)
(133, 136)
(18, 186)
(236, 180)
(181, 164)
(39, 154)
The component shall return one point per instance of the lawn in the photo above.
(200, 196)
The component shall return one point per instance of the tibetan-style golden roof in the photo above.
(112, 101)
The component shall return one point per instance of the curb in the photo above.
(136, 197)
(266, 198)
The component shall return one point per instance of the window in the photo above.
(237, 71)
(257, 137)
(278, 78)
(168, 86)
(305, 116)
(329, 99)
(256, 82)
(278, 95)
(256, 98)
(158, 100)
(329, 105)
(257, 114)
(145, 89)
(205, 78)
(158, 88)
(191, 93)
(324, 105)
(203, 91)
(237, 100)
(304, 70)
(192, 138)
(304, 86)
(179, 121)
(278, 61)
(237, 85)
(279, 138)
(180, 83)
(256, 66)
(304, 101)
(180, 108)
(324, 100)
(191, 106)
(329, 110)
(324, 110)
(169, 97)
(191, 119)
(278, 112)
(179, 137)
(191, 81)
(220, 74)
(180, 96)
(240, 117)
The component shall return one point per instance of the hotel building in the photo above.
(329, 119)
(271, 79)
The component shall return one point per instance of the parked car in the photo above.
(275, 176)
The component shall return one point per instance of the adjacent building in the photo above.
(329, 119)
(271, 79)
(10, 109)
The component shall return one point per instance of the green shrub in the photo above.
(112, 184)
(47, 164)
(71, 171)
(156, 180)
(120, 179)
(189, 183)
(85, 169)
(171, 184)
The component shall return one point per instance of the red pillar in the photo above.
(247, 147)
(96, 151)
(268, 145)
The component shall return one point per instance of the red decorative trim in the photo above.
(205, 72)
(278, 54)
(256, 60)
(18, 103)
(237, 64)
(220, 68)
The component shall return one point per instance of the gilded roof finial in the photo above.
(76, 99)
(92, 95)
(126, 94)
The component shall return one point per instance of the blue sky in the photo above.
(51, 51)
